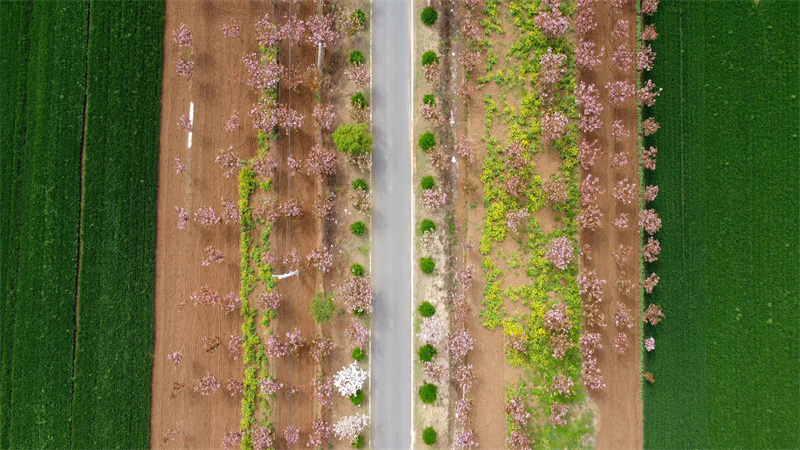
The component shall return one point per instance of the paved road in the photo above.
(392, 224)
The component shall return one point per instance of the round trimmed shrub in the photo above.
(428, 393)
(358, 228)
(426, 309)
(358, 101)
(428, 183)
(427, 141)
(358, 354)
(360, 184)
(353, 138)
(429, 16)
(357, 398)
(358, 312)
(427, 224)
(429, 436)
(427, 265)
(429, 99)
(357, 269)
(429, 58)
(359, 442)
(426, 353)
(358, 17)
(356, 57)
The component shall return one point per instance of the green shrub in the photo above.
(429, 99)
(429, 16)
(359, 312)
(358, 18)
(427, 141)
(429, 436)
(358, 101)
(427, 224)
(429, 58)
(359, 442)
(358, 228)
(357, 398)
(360, 184)
(428, 183)
(427, 265)
(428, 393)
(354, 139)
(426, 309)
(357, 269)
(358, 354)
(356, 57)
(426, 353)
(322, 308)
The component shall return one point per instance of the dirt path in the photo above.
(619, 407)
(179, 272)
(301, 234)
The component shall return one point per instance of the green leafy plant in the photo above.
(427, 224)
(358, 228)
(428, 393)
(358, 354)
(358, 17)
(356, 57)
(429, 16)
(358, 101)
(428, 183)
(322, 308)
(354, 139)
(427, 265)
(426, 353)
(360, 184)
(426, 309)
(429, 436)
(429, 99)
(429, 58)
(357, 269)
(359, 442)
(357, 398)
(427, 141)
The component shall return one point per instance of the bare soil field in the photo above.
(619, 405)
(216, 93)
(302, 234)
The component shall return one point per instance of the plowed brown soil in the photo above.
(216, 94)
(619, 407)
(217, 90)
(302, 234)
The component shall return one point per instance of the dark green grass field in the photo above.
(62, 385)
(727, 358)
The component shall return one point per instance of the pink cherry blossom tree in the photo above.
(357, 295)
(589, 98)
(650, 283)
(182, 36)
(233, 123)
(267, 34)
(586, 55)
(183, 218)
(620, 91)
(560, 252)
(460, 344)
(649, 220)
(357, 333)
(228, 161)
(653, 314)
(625, 191)
(322, 31)
(207, 385)
(651, 250)
(184, 67)
(232, 31)
(558, 414)
(433, 199)
(213, 256)
(321, 162)
(554, 125)
(291, 434)
(650, 126)
(321, 258)
(589, 153)
(648, 93)
(324, 116)
(621, 221)
(649, 33)
(649, 158)
(465, 149)
(623, 58)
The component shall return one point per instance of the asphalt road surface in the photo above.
(391, 381)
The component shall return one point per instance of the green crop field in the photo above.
(40, 213)
(113, 362)
(726, 364)
(85, 383)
